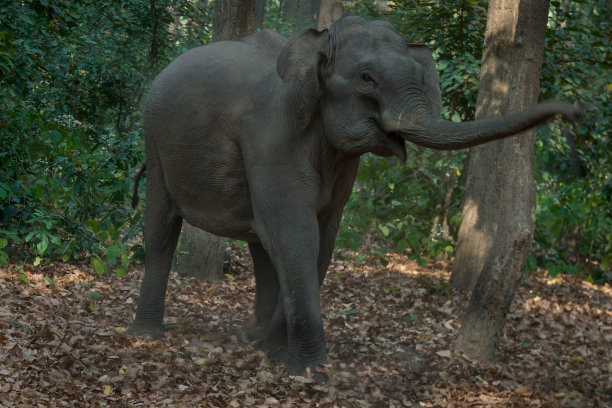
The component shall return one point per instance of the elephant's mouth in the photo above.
(397, 145)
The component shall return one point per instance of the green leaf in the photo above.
(413, 241)
(401, 246)
(51, 283)
(113, 251)
(384, 229)
(97, 265)
(422, 261)
(94, 294)
(125, 260)
(3, 258)
(30, 235)
(605, 263)
(120, 271)
(3, 243)
(42, 246)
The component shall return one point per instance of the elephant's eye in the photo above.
(367, 77)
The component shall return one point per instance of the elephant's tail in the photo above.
(136, 182)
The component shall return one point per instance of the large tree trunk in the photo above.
(201, 254)
(233, 19)
(481, 211)
(510, 80)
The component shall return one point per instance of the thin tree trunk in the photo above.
(201, 254)
(514, 45)
(301, 13)
(260, 13)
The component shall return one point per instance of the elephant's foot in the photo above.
(297, 365)
(146, 329)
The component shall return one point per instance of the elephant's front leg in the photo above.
(288, 229)
(271, 326)
(267, 288)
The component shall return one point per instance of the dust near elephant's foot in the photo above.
(254, 332)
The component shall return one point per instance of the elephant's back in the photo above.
(224, 65)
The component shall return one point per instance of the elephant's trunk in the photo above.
(445, 135)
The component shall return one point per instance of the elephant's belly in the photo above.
(210, 191)
(221, 211)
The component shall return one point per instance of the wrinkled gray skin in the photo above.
(259, 140)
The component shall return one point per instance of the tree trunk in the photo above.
(301, 13)
(481, 211)
(201, 254)
(330, 11)
(510, 81)
(260, 13)
(233, 19)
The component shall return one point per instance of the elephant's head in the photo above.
(373, 92)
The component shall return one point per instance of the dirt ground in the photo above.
(389, 330)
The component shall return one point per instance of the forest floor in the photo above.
(389, 330)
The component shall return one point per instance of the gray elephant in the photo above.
(259, 140)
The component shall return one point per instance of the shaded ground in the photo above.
(389, 330)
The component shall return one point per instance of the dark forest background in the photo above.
(74, 75)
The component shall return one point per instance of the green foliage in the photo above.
(573, 165)
(72, 79)
(73, 75)
(394, 201)
(405, 203)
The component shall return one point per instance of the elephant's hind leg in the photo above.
(162, 229)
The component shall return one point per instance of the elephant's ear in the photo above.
(302, 58)
(422, 54)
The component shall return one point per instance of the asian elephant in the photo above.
(259, 140)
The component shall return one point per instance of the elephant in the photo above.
(259, 140)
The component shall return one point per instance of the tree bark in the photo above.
(510, 81)
(233, 19)
(481, 211)
(260, 13)
(330, 11)
(201, 254)
(302, 13)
